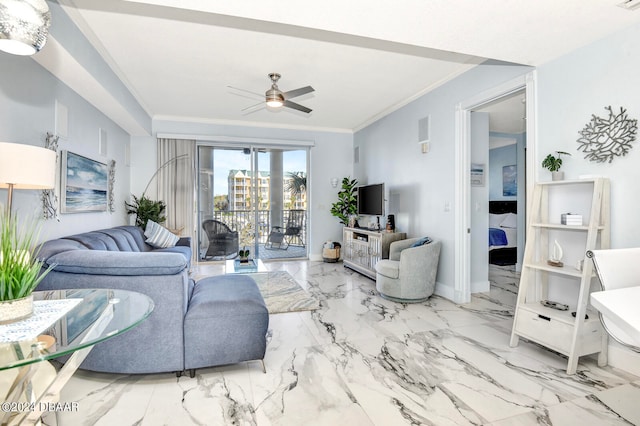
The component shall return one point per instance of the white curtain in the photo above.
(176, 185)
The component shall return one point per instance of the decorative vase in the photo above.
(16, 310)
(557, 175)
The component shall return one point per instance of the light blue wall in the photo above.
(498, 158)
(27, 112)
(421, 186)
(580, 84)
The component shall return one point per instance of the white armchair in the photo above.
(409, 275)
(618, 269)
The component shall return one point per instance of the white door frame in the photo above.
(462, 219)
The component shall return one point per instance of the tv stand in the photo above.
(363, 248)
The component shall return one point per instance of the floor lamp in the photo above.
(25, 167)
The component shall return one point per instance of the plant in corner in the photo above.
(146, 209)
(347, 202)
(553, 164)
(20, 271)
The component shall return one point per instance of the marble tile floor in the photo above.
(363, 360)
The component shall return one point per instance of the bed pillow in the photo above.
(158, 236)
(496, 219)
(511, 221)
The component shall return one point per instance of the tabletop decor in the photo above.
(553, 164)
(20, 271)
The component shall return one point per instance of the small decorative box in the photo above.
(571, 219)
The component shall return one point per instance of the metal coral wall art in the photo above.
(112, 182)
(604, 138)
(49, 197)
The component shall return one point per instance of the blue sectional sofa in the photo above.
(219, 320)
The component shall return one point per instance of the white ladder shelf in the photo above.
(552, 328)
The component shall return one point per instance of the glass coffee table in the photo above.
(64, 322)
(234, 266)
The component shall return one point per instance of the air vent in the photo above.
(630, 4)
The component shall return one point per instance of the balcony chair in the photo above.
(281, 237)
(222, 240)
(616, 269)
(409, 275)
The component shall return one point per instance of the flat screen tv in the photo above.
(371, 200)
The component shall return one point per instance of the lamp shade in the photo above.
(27, 166)
(24, 25)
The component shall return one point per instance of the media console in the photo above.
(363, 248)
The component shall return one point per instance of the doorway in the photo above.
(463, 212)
(248, 194)
(500, 223)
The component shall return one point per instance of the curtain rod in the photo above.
(238, 139)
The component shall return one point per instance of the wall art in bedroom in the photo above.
(84, 184)
(509, 181)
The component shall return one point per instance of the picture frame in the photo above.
(477, 174)
(84, 185)
(510, 181)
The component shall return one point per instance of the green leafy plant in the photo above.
(244, 253)
(146, 209)
(347, 204)
(20, 271)
(554, 163)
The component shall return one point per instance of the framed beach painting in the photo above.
(509, 181)
(84, 184)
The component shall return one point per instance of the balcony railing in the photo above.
(243, 221)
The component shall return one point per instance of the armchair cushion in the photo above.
(388, 268)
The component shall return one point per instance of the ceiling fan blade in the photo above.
(299, 107)
(253, 106)
(259, 95)
(297, 92)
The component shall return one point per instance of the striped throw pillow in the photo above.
(158, 236)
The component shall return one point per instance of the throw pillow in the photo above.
(421, 242)
(158, 236)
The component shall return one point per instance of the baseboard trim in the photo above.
(445, 291)
(624, 359)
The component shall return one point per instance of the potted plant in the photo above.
(146, 209)
(20, 271)
(244, 254)
(347, 204)
(553, 164)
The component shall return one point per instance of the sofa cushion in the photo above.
(94, 262)
(388, 268)
(158, 236)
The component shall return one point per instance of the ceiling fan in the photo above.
(275, 98)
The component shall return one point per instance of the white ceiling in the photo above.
(364, 58)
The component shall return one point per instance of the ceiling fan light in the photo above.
(274, 98)
(24, 26)
(274, 103)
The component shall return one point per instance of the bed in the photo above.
(503, 230)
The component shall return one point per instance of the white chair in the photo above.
(409, 275)
(617, 268)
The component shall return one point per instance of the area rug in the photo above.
(282, 293)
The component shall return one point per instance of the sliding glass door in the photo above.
(252, 198)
